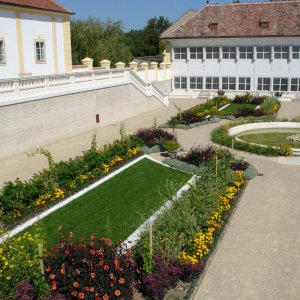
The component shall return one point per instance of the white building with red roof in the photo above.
(34, 38)
(236, 47)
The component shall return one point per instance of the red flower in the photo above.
(82, 238)
(106, 267)
(81, 295)
(67, 252)
(121, 280)
(74, 293)
(92, 252)
(105, 297)
(101, 262)
(93, 275)
(111, 284)
(48, 269)
(84, 260)
(92, 244)
(92, 237)
(117, 293)
(54, 286)
(52, 276)
(91, 268)
(62, 272)
(98, 298)
(76, 285)
(87, 288)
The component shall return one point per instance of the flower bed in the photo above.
(220, 136)
(21, 199)
(241, 106)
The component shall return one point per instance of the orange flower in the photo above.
(52, 276)
(81, 295)
(92, 252)
(121, 280)
(92, 289)
(117, 293)
(62, 272)
(76, 285)
(93, 275)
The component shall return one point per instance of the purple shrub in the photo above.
(239, 165)
(154, 136)
(258, 100)
(25, 291)
(166, 275)
(57, 297)
(245, 112)
(198, 155)
(239, 99)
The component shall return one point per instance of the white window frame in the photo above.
(213, 54)
(229, 52)
(212, 83)
(40, 51)
(261, 86)
(228, 83)
(180, 83)
(263, 52)
(244, 84)
(180, 53)
(295, 52)
(295, 84)
(246, 52)
(2, 52)
(280, 84)
(196, 83)
(281, 52)
(196, 52)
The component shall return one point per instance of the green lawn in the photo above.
(270, 138)
(235, 107)
(121, 204)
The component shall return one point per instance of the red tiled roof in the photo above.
(241, 20)
(38, 4)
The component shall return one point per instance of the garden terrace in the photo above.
(118, 206)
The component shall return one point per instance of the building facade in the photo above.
(35, 38)
(237, 47)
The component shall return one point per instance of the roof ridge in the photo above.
(252, 3)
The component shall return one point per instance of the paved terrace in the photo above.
(259, 256)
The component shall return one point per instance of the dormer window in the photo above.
(213, 26)
(264, 24)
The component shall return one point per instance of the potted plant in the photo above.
(278, 96)
(172, 147)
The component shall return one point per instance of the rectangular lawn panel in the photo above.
(120, 204)
(236, 107)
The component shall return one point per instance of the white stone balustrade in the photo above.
(26, 89)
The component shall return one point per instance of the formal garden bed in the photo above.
(222, 107)
(221, 136)
(94, 267)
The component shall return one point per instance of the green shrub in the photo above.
(171, 145)
(147, 150)
(250, 172)
(267, 106)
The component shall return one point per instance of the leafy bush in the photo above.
(166, 275)
(19, 260)
(198, 155)
(250, 172)
(90, 269)
(154, 136)
(171, 145)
